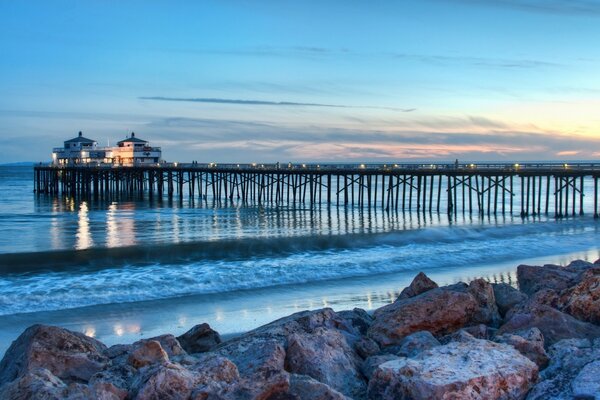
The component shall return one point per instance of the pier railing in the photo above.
(530, 188)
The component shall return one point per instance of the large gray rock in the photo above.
(34, 384)
(487, 310)
(568, 358)
(420, 284)
(534, 278)
(586, 383)
(199, 339)
(416, 343)
(554, 324)
(303, 387)
(471, 369)
(325, 355)
(530, 343)
(68, 355)
(507, 297)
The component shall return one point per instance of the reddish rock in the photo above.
(148, 353)
(507, 297)
(439, 311)
(420, 284)
(201, 338)
(583, 300)
(554, 324)
(164, 381)
(530, 343)
(534, 278)
(325, 355)
(473, 369)
(67, 355)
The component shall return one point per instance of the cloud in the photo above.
(266, 103)
(475, 61)
(559, 7)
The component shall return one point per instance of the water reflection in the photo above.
(83, 237)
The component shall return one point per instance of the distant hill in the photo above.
(19, 164)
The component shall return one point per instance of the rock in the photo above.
(70, 356)
(487, 312)
(358, 318)
(534, 278)
(98, 391)
(35, 384)
(471, 332)
(118, 376)
(148, 353)
(420, 284)
(366, 347)
(507, 297)
(163, 381)
(326, 356)
(439, 311)
(530, 343)
(554, 324)
(370, 364)
(579, 265)
(416, 343)
(586, 383)
(474, 369)
(583, 300)
(199, 339)
(168, 342)
(567, 359)
(303, 387)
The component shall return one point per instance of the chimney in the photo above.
(132, 134)
(80, 134)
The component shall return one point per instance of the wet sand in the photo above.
(235, 312)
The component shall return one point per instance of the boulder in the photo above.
(357, 318)
(303, 387)
(149, 352)
(370, 364)
(507, 297)
(163, 381)
(530, 343)
(326, 356)
(416, 343)
(534, 278)
(487, 310)
(366, 347)
(168, 343)
(583, 299)
(439, 311)
(586, 383)
(420, 284)
(68, 355)
(554, 324)
(473, 369)
(199, 339)
(568, 358)
(34, 384)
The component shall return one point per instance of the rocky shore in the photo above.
(462, 341)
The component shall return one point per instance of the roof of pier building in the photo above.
(80, 139)
(132, 139)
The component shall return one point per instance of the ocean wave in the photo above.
(225, 266)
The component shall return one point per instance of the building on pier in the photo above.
(129, 151)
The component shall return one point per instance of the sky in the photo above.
(314, 81)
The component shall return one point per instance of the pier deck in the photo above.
(528, 188)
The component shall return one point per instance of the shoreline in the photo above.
(236, 312)
(472, 339)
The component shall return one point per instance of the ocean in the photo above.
(125, 269)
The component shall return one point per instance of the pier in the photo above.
(526, 189)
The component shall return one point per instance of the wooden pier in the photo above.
(527, 189)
